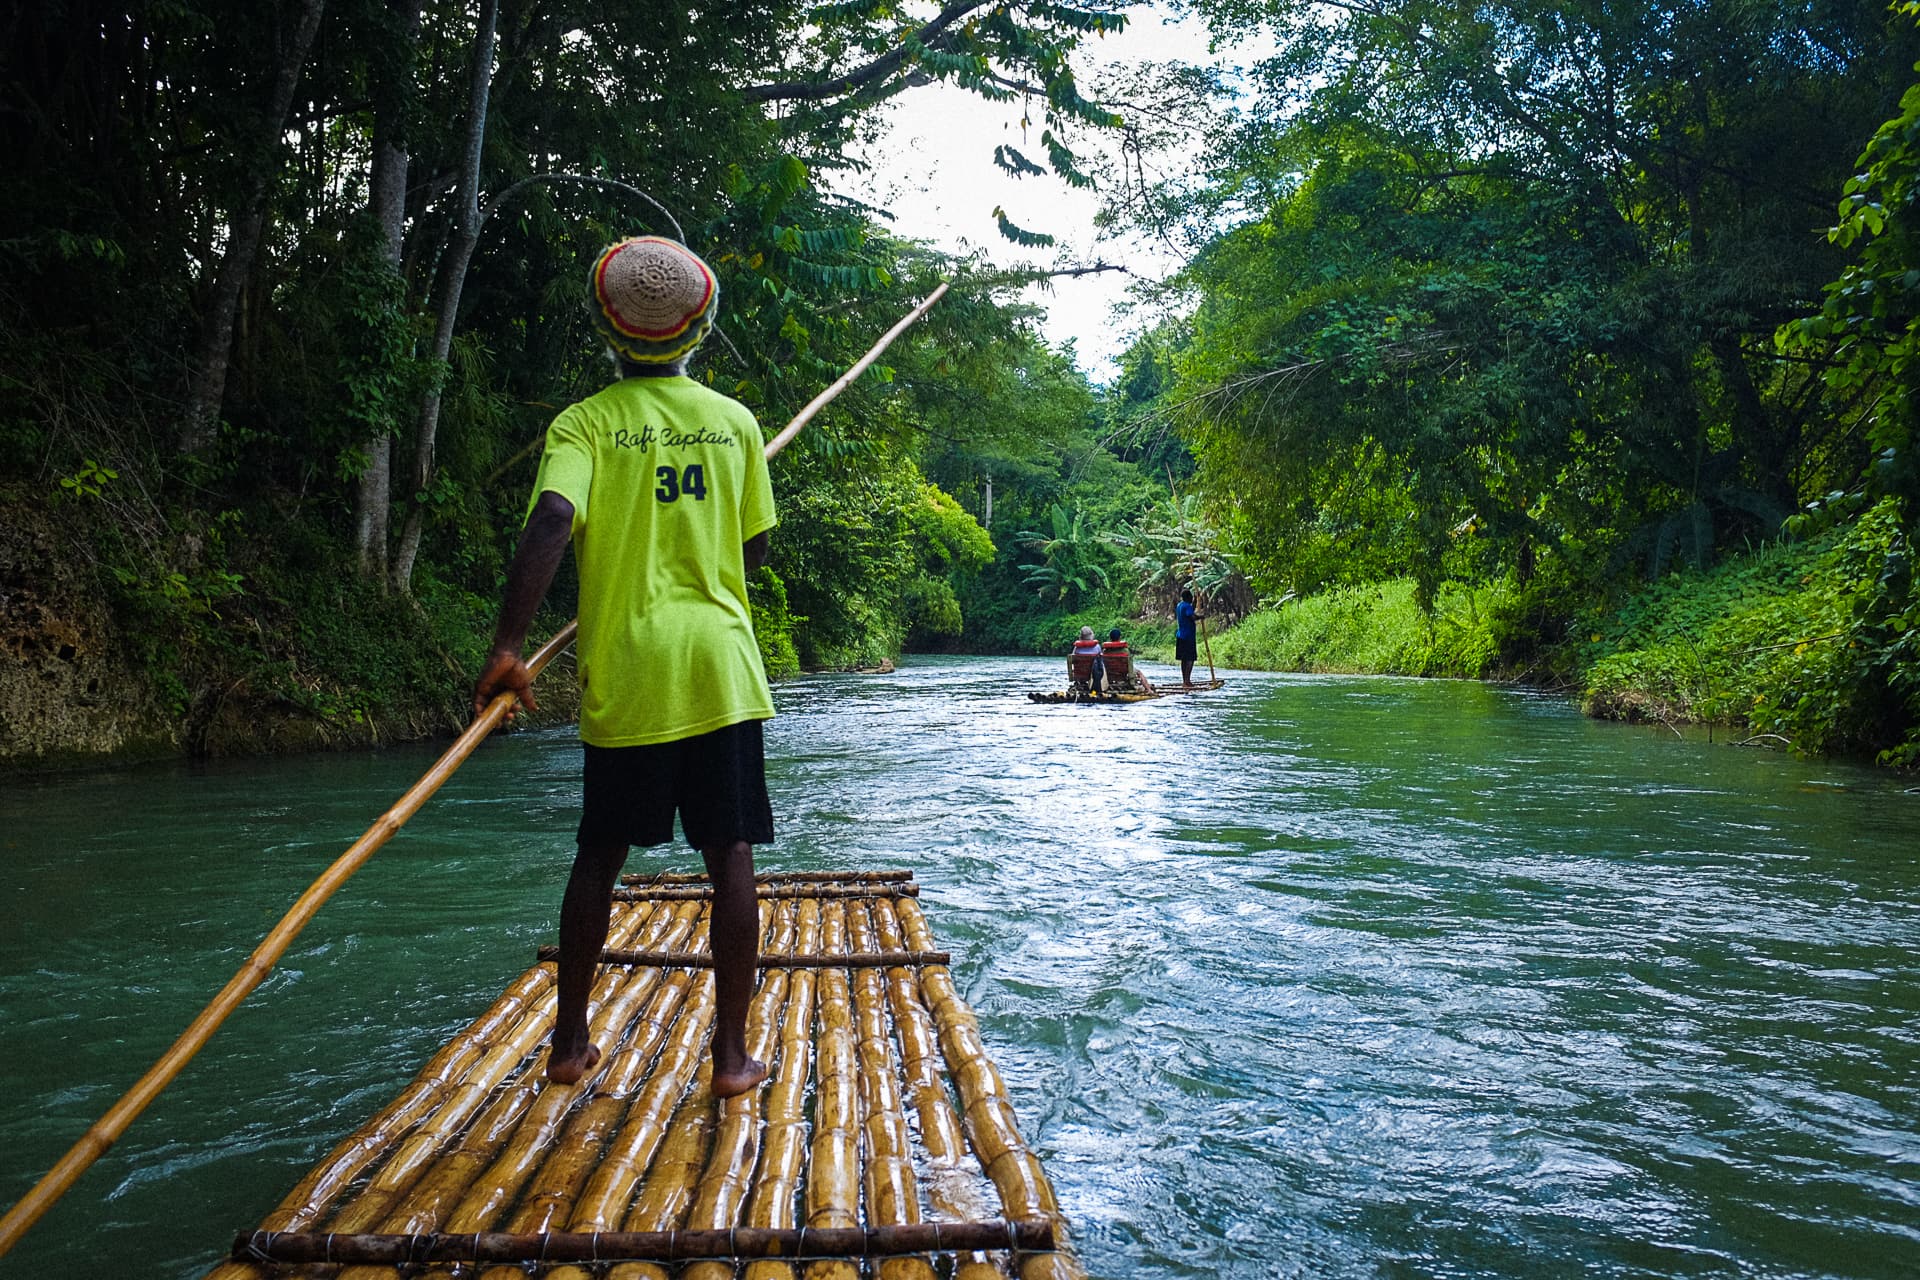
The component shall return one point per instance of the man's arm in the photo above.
(754, 551)
(542, 544)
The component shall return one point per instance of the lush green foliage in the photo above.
(1776, 644)
(150, 142)
(1490, 295)
(1379, 627)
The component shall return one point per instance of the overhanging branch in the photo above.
(878, 69)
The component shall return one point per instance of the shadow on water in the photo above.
(1311, 976)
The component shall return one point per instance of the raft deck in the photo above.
(883, 1142)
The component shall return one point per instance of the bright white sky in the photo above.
(934, 170)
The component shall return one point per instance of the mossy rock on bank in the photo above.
(70, 691)
(86, 680)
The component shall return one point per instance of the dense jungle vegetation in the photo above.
(1513, 339)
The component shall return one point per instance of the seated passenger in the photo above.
(1086, 668)
(1121, 673)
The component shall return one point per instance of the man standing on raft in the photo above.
(661, 484)
(1184, 648)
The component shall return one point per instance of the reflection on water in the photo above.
(1310, 976)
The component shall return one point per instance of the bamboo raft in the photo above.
(882, 1144)
(1122, 699)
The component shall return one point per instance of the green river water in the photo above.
(1309, 977)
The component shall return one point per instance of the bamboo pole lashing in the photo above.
(425, 1208)
(553, 1153)
(862, 921)
(665, 1246)
(392, 1148)
(413, 1187)
(105, 1131)
(767, 960)
(770, 877)
(695, 892)
(491, 1191)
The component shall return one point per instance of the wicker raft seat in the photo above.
(883, 1142)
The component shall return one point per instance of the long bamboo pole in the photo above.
(832, 1194)
(1212, 675)
(107, 1129)
(845, 380)
(783, 1146)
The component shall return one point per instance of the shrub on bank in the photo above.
(1769, 644)
(1377, 628)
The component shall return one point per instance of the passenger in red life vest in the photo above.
(1086, 668)
(1121, 673)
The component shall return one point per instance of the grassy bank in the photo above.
(1769, 645)
(1375, 629)
(1779, 645)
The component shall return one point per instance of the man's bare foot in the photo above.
(731, 1084)
(569, 1068)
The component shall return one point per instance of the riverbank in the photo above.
(1771, 646)
(102, 666)
(248, 654)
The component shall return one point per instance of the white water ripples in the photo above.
(1307, 977)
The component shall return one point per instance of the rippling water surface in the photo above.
(1308, 977)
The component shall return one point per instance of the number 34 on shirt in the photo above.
(692, 482)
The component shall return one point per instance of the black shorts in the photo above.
(717, 781)
(1186, 649)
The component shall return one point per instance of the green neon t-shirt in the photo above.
(667, 481)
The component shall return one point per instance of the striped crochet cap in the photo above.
(653, 298)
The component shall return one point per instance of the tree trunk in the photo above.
(387, 202)
(453, 275)
(243, 242)
(1766, 441)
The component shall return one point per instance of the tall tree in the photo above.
(393, 108)
(262, 148)
(1508, 277)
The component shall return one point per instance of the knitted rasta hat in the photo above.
(653, 299)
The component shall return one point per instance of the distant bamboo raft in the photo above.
(883, 1142)
(1123, 699)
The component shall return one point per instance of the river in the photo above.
(1313, 976)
